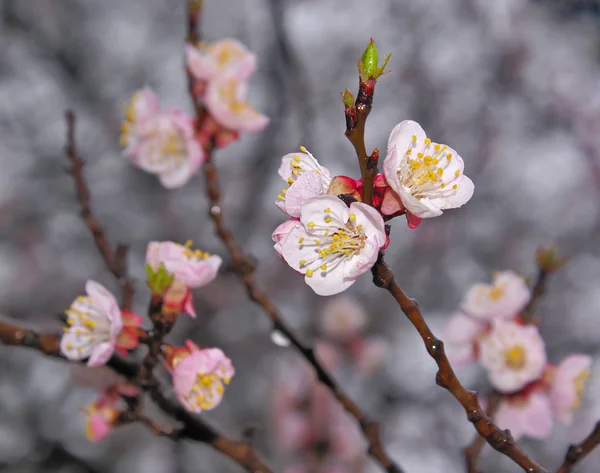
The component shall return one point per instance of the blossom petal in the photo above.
(314, 211)
(308, 185)
(371, 221)
(101, 354)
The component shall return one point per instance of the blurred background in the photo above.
(513, 85)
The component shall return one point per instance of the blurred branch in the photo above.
(193, 428)
(244, 268)
(473, 451)
(500, 440)
(576, 453)
(115, 261)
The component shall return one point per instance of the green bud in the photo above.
(368, 64)
(548, 259)
(348, 98)
(158, 281)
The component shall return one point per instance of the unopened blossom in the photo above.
(160, 142)
(94, 323)
(343, 318)
(427, 177)
(208, 61)
(305, 178)
(128, 337)
(568, 381)
(335, 244)
(504, 298)
(513, 354)
(200, 376)
(101, 416)
(282, 231)
(529, 415)
(190, 268)
(226, 100)
(460, 335)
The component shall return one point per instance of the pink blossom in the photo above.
(335, 244)
(427, 177)
(369, 353)
(528, 415)
(306, 179)
(513, 354)
(281, 233)
(128, 337)
(460, 335)
(504, 298)
(208, 61)
(101, 416)
(199, 377)
(568, 381)
(225, 98)
(343, 318)
(94, 323)
(161, 143)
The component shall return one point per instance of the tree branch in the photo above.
(115, 261)
(500, 440)
(194, 428)
(576, 453)
(473, 451)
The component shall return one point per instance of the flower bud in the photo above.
(158, 281)
(348, 98)
(368, 66)
(548, 259)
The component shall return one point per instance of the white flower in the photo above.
(335, 244)
(504, 298)
(94, 324)
(428, 177)
(568, 382)
(306, 179)
(513, 354)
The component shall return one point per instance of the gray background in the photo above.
(512, 84)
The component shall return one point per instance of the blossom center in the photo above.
(207, 390)
(579, 383)
(192, 254)
(496, 293)
(515, 357)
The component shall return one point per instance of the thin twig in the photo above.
(537, 292)
(500, 440)
(576, 453)
(473, 451)
(193, 428)
(115, 261)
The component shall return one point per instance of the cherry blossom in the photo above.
(306, 179)
(460, 335)
(200, 376)
(335, 244)
(190, 268)
(427, 177)
(504, 298)
(225, 98)
(282, 231)
(94, 324)
(529, 415)
(160, 142)
(208, 61)
(513, 354)
(568, 380)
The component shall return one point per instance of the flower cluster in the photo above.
(174, 269)
(96, 327)
(199, 376)
(221, 71)
(332, 244)
(489, 329)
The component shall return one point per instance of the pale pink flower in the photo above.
(225, 98)
(161, 143)
(504, 298)
(369, 353)
(306, 179)
(282, 231)
(199, 378)
(94, 324)
(428, 177)
(207, 61)
(460, 336)
(101, 416)
(528, 415)
(335, 244)
(568, 381)
(513, 354)
(343, 318)
(190, 268)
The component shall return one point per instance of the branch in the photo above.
(473, 451)
(500, 440)
(576, 453)
(115, 261)
(194, 428)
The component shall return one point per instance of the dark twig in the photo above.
(115, 261)
(473, 451)
(536, 293)
(576, 453)
(193, 428)
(500, 440)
